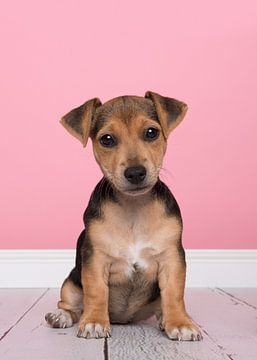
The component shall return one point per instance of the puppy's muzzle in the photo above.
(135, 174)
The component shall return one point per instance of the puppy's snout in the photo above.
(135, 174)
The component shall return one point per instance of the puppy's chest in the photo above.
(133, 239)
(134, 255)
(128, 240)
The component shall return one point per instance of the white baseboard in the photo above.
(205, 268)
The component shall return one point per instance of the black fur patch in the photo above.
(161, 191)
(102, 192)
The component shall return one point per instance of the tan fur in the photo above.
(150, 235)
(113, 163)
(71, 300)
(95, 303)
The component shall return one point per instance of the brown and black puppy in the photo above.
(130, 263)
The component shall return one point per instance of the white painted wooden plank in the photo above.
(230, 323)
(145, 341)
(248, 295)
(32, 339)
(13, 304)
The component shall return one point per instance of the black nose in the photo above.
(135, 174)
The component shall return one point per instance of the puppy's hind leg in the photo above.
(69, 307)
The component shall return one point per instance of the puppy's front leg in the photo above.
(94, 322)
(175, 320)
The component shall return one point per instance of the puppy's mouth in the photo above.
(127, 188)
(138, 190)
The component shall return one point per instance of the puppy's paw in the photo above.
(182, 332)
(59, 319)
(94, 330)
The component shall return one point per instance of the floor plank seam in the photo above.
(24, 314)
(106, 356)
(236, 298)
(220, 347)
(230, 356)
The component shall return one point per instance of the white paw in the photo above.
(59, 319)
(94, 331)
(184, 333)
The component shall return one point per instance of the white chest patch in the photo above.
(134, 252)
(135, 259)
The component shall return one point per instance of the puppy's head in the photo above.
(129, 135)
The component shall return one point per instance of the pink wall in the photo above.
(57, 54)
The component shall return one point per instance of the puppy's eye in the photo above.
(151, 134)
(108, 140)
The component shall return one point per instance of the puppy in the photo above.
(130, 263)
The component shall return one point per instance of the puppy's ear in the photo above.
(170, 111)
(78, 120)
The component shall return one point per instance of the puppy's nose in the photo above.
(135, 174)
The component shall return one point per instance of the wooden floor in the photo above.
(227, 317)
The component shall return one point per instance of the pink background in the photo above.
(57, 54)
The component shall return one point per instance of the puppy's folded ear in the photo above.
(78, 121)
(170, 111)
